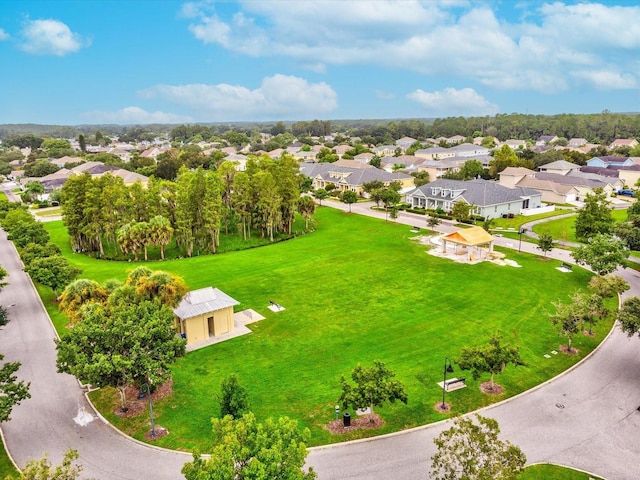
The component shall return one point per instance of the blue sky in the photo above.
(138, 61)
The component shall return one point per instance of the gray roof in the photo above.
(204, 300)
(560, 165)
(573, 178)
(357, 176)
(477, 192)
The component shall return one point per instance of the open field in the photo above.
(356, 290)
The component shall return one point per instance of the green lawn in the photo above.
(7, 468)
(554, 472)
(563, 228)
(356, 290)
(516, 222)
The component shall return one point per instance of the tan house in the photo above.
(204, 313)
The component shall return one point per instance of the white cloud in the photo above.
(279, 96)
(134, 115)
(51, 37)
(453, 102)
(3, 35)
(607, 80)
(543, 51)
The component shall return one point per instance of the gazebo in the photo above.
(469, 241)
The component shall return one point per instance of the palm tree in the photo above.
(161, 232)
(79, 293)
(306, 208)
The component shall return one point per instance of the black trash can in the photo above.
(346, 419)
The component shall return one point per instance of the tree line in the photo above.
(193, 211)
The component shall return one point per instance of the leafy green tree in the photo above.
(82, 142)
(629, 232)
(502, 158)
(567, 319)
(34, 250)
(234, 398)
(603, 254)
(43, 470)
(607, 286)
(629, 316)
(306, 208)
(161, 232)
(54, 272)
(374, 385)
(56, 147)
(433, 222)
(491, 358)
(320, 194)
(349, 197)
(120, 345)
(546, 243)
(420, 178)
(32, 191)
(595, 216)
(78, 293)
(472, 169)
(244, 449)
(12, 391)
(461, 211)
(28, 232)
(3, 274)
(471, 450)
(592, 308)
(40, 168)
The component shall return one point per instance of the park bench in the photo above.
(455, 384)
(566, 266)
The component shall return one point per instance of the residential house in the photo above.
(204, 313)
(456, 139)
(364, 157)
(350, 178)
(487, 198)
(435, 153)
(62, 161)
(341, 149)
(405, 142)
(560, 166)
(577, 142)
(469, 150)
(515, 144)
(306, 156)
(437, 168)
(623, 142)
(384, 150)
(407, 163)
(239, 160)
(343, 162)
(610, 160)
(546, 140)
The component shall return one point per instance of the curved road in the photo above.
(586, 418)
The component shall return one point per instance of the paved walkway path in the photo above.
(597, 429)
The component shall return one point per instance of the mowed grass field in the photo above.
(563, 229)
(356, 290)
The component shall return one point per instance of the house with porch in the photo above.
(350, 178)
(488, 199)
(204, 313)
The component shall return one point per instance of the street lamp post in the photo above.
(153, 425)
(521, 231)
(447, 369)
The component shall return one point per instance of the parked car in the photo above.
(628, 192)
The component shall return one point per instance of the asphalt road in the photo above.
(586, 418)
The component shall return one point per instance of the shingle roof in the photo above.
(357, 176)
(561, 165)
(204, 300)
(575, 180)
(478, 192)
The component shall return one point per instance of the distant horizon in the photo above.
(199, 62)
(431, 119)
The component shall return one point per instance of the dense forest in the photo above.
(600, 128)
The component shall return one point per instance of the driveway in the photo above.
(586, 418)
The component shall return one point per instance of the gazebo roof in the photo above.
(469, 236)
